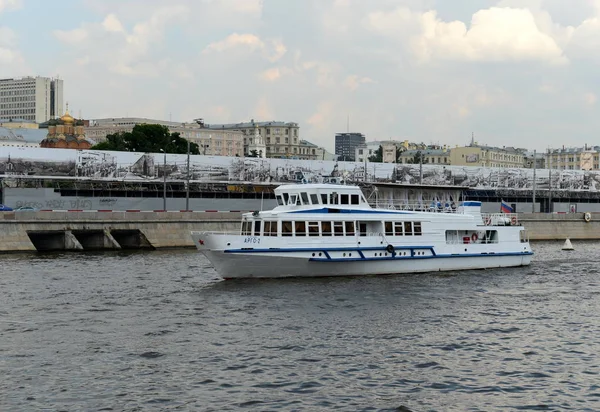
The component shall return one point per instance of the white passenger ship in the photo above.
(331, 230)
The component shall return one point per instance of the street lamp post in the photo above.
(165, 176)
(187, 190)
(164, 180)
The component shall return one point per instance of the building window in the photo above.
(268, 132)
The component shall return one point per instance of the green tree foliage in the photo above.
(377, 157)
(147, 138)
(418, 158)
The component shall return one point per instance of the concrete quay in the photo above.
(44, 231)
(560, 226)
(68, 230)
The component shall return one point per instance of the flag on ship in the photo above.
(505, 207)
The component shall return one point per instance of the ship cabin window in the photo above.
(402, 228)
(344, 199)
(417, 229)
(324, 199)
(362, 228)
(270, 229)
(338, 228)
(354, 199)
(349, 228)
(389, 231)
(294, 200)
(257, 228)
(279, 200)
(314, 199)
(304, 197)
(286, 229)
(246, 228)
(285, 198)
(326, 228)
(300, 228)
(399, 228)
(313, 228)
(333, 199)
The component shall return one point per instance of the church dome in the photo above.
(67, 118)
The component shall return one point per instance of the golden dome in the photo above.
(67, 118)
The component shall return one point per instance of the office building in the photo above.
(346, 144)
(34, 99)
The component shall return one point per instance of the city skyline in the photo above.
(517, 73)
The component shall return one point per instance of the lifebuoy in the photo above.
(513, 220)
(390, 248)
(474, 237)
(587, 216)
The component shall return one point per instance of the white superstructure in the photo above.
(331, 230)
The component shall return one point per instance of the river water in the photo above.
(160, 331)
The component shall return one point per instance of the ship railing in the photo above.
(500, 219)
(434, 207)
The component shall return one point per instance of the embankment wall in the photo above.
(172, 229)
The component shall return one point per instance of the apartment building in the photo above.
(487, 156)
(573, 158)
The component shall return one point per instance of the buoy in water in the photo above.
(568, 245)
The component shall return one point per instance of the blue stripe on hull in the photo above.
(470, 255)
(362, 258)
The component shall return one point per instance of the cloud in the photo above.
(234, 40)
(10, 4)
(112, 24)
(353, 81)
(495, 35)
(123, 52)
(272, 49)
(271, 74)
(73, 37)
(11, 58)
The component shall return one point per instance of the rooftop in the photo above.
(252, 123)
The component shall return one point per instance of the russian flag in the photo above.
(505, 207)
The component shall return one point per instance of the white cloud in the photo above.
(74, 37)
(249, 41)
(10, 4)
(495, 34)
(112, 24)
(271, 74)
(353, 81)
(272, 50)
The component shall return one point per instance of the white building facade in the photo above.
(34, 99)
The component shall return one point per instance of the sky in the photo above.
(522, 73)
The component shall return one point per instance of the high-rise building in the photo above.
(346, 144)
(35, 99)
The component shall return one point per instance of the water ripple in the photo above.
(160, 331)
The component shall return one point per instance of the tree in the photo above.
(418, 158)
(377, 157)
(253, 153)
(147, 138)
